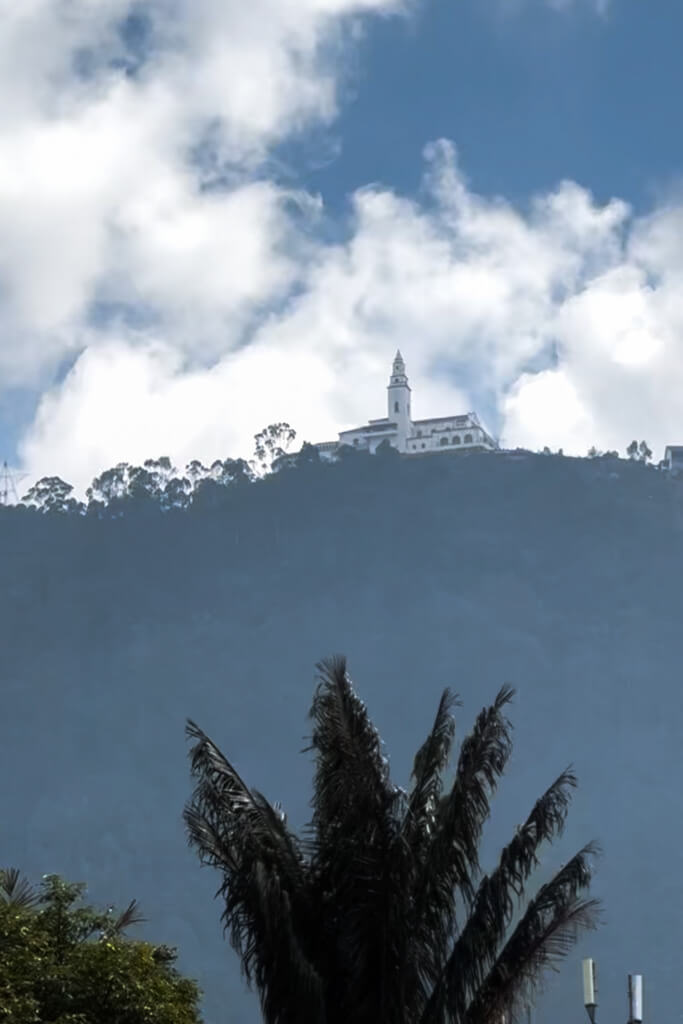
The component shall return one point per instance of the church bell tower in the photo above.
(398, 401)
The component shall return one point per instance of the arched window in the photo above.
(468, 439)
(395, 406)
(423, 445)
(419, 434)
(456, 439)
(443, 440)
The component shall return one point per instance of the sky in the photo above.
(217, 215)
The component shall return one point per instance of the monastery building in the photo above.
(408, 436)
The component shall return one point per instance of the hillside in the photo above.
(561, 576)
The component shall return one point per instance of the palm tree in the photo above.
(380, 914)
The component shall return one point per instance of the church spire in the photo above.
(398, 400)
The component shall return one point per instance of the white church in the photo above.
(409, 436)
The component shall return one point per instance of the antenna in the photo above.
(590, 988)
(635, 998)
(590, 993)
(8, 484)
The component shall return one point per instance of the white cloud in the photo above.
(452, 279)
(566, 314)
(100, 190)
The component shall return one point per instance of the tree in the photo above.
(177, 493)
(385, 450)
(644, 452)
(231, 471)
(270, 443)
(110, 486)
(196, 471)
(639, 452)
(50, 972)
(51, 494)
(309, 455)
(357, 920)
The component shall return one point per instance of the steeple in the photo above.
(398, 400)
(398, 369)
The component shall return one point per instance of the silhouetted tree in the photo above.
(308, 456)
(644, 452)
(52, 494)
(357, 921)
(387, 451)
(111, 485)
(639, 452)
(231, 471)
(270, 443)
(349, 451)
(196, 471)
(177, 493)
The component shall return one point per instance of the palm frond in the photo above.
(236, 830)
(245, 816)
(128, 917)
(354, 827)
(543, 937)
(451, 861)
(430, 762)
(347, 746)
(16, 891)
(273, 930)
(477, 946)
(482, 761)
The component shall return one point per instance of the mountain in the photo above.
(560, 576)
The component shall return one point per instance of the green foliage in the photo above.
(50, 972)
(357, 922)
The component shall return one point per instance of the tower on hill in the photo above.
(460, 432)
(398, 401)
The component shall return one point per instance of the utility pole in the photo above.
(8, 484)
(590, 993)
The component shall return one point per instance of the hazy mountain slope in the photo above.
(552, 574)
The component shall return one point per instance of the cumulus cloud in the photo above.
(582, 293)
(118, 123)
(196, 302)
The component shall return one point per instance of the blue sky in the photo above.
(529, 97)
(217, 216)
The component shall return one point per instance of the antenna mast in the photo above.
(8, 484)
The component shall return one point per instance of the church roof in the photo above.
(374, 427)
(461, 419)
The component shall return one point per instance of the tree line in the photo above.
(159, 484)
